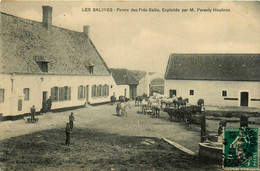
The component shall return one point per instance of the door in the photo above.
(87, 92)
(125, 92)
(44, 100)
(244, 99)
(132, 92)
(173, 92)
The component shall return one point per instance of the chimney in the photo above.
(47, 17)
(86, 30)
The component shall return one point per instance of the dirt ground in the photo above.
(102, 141)
(94, 150)
(103, 118)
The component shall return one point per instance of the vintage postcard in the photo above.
(129, 85)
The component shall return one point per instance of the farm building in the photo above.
(149, 82)
(126, 84)
(219, 79)
(39, 60)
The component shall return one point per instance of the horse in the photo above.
(172, 112)
(113, 100)
(121, 109)
(168, 101)
(138, 100)
(200, 102)
(156, 108)
(152, 100)
(181, 102)
(123, 99)
(144, 106)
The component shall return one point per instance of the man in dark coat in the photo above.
(67, 132)
(49, 103)
(71, 120)
(33, 113)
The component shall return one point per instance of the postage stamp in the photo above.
(240, 150)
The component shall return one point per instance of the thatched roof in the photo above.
(123, 77)
(24, 42)
(226, 67)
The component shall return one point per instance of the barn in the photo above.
(126, 84)
(219, 79)
(40, 61)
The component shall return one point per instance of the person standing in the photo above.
(67, 132)
(33, 113)
(49, 103)
(71, 120)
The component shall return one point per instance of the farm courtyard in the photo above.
(100, 141)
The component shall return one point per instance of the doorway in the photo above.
(44, 101)
(244, 99)
(87, 92)
(173, 92)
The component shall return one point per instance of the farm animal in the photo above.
(168, 102)
(138, 100)
(156, 108)
(144, 106)
(151, 100)
(123, 107)
(123, 99)
(172, 112)
(180, 102)
(113, 100)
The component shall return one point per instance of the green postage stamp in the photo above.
(240, 150)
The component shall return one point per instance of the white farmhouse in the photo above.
(39, 60)
(126, 84)
(219, 79)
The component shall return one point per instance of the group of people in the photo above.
(46, 105)
(69, 128)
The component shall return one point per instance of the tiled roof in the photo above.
(226, 67)
(123, 77)
(23, 42)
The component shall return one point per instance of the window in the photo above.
(94, 91)
(99, 90)
(111, 86)
(173, 93)
(67, 91)
(54, 93)
(20, 105)
(107, 90)
(2, 95)
(26, 92)
(104, 90)
(224, 93)
(91, 69)
(61, 93)
(80, 92)
(191, 92)
(43, 66)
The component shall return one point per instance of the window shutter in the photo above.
(78, 92)
(63, 93)
(84, 91)
(60, 93)
(69, 93)
(52, 94)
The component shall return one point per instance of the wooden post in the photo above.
(203, 128)
(244, 121)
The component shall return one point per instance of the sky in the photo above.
(144, 40)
